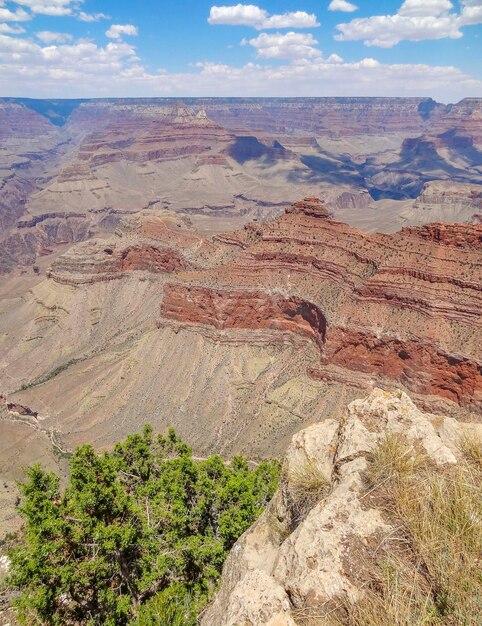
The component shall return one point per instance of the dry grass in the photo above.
(430, 573)
(308, 485)
(471, 447)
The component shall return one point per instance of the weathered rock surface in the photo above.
(404, 308)
(445, 201)
(286, 566)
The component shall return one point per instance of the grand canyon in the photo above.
(238, 269)
(158, 261)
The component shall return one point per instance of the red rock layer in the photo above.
(244, 309)
(150, 258)
(404, 307)
(448, 234)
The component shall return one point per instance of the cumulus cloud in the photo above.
(416, 20)
(117, 30)
(423, 8)
(84, 69)
(19, 15)
(24, 61)
(291, 46)
(254, 16)
(49, 7)
(91, 17)
(342, 5)
(11, 30)
(471, 12)
(48, 36)
(386, 31)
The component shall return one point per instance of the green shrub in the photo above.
(137, 530)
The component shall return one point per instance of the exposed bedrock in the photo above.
(244, 309)
(403, 308)
(306, 558)
(150, 258)
(419, 366)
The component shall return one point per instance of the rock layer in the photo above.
(309, 274)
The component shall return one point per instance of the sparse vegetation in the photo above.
(49, 375)
(138, 537)
(307, 485)
(427, 573)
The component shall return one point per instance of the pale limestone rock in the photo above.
(284, 564)
(258, 599)
(315, 444)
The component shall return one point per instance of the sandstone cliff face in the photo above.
(305, 558)
(402, 308)
(343, 116)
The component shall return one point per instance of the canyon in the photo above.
(158, 265)
(238, 339)
(72, 169)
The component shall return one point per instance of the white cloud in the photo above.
(86, 70)
(252, 15)
(48, 36)
(471, 12)
(423, 8)
(19, 15)
(388, 30)
(342, 5)
(416, 20)
(49, 7)
(91, 17)
(291, 46)
(11, 30)
(81, 59)
(117, 30)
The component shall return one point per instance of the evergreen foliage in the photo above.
(138, 537)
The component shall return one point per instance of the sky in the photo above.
(180, 48)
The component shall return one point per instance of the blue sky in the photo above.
(96, 48)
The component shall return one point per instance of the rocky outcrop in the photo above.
(402, 308)
(157, 246)
(449, 201)
(152, 134)
(307, 555)
(244, 309)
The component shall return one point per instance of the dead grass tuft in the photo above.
(431, 573)
(307, 485)
(471, 447)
